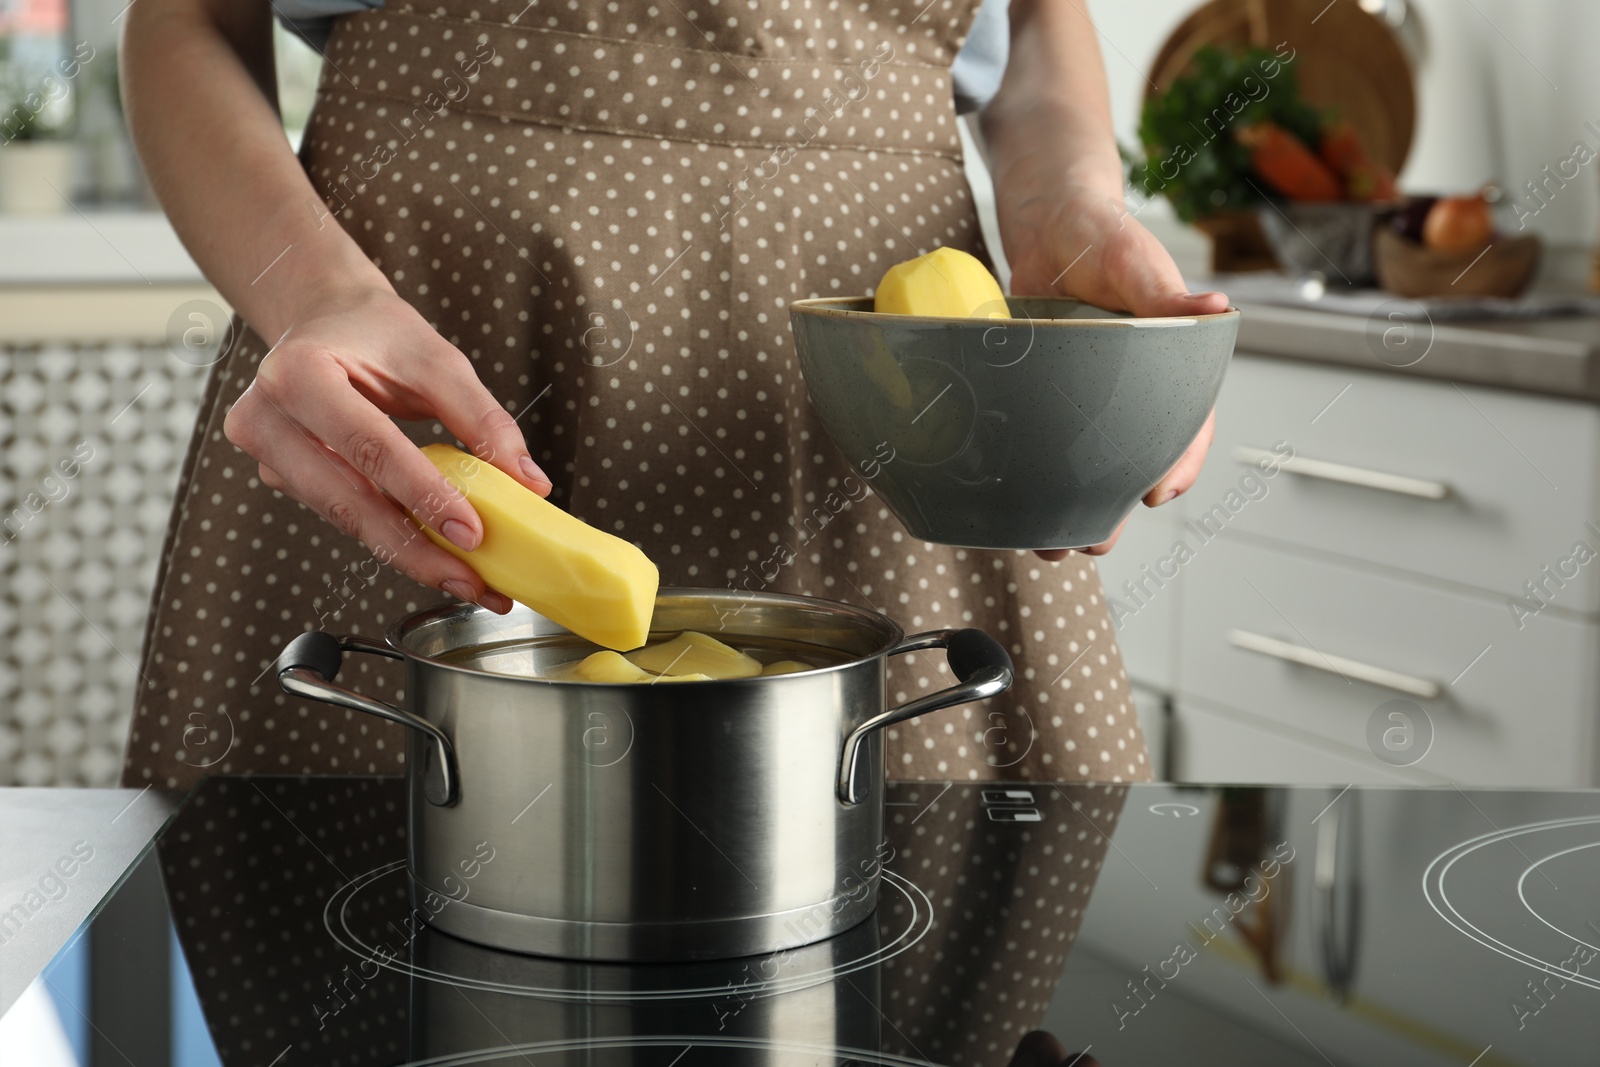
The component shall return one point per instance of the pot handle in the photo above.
(977, 659)
(306, 668)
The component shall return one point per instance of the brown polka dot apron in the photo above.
(608, 206)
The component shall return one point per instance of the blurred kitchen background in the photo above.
(1268, 656)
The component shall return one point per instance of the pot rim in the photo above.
(395, 636)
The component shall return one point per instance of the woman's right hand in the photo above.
(319, 419)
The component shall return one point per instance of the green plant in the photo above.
(22, 115)
(1189, 153)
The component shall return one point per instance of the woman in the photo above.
(583, 222)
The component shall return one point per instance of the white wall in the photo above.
(1487, 107)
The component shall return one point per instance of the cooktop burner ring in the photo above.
(1534, 911)
(1435, 891)
(841, 1052)
(918, 923)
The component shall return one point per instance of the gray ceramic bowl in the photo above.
(1038, 431)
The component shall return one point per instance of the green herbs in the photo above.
(1190, 154)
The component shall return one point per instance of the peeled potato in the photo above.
(785, 666)
(604, 666)
(681, 678)
(946, 283)
(598, 586)
(887, 375)
(695, 653)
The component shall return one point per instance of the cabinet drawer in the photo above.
(1216, 745)
(1513, 707)
(1517, 473)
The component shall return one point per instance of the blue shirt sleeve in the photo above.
(982, 59)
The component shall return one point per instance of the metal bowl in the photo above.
(1332, 240)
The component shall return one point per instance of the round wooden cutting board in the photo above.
(1347, 61)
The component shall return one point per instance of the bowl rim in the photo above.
(828, 306)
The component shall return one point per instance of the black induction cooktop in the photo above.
(1034, 924)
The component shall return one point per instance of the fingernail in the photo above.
(459, 534)
(495, 602)
(459, 589)
(1171, 493)
(531, 471)
(1199, 296)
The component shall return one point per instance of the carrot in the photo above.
(1364, 178)
(1288, 165)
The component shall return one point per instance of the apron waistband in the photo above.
(871, 100)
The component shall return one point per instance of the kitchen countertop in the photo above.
(1554, 356)
(95, 834)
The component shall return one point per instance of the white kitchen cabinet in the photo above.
(1145, 616)
(1518, 474)
(1511, 707)
(1220, 745)
(1285, 576)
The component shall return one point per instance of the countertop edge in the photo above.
(115, 826)
(1507, 355)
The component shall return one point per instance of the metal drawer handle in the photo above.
(1420, 688)
(1339, 472)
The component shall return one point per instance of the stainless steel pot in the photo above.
(684, 820)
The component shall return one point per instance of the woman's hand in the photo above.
(1058, 184)
(318, 418)
(348, 354)
(1077, 242)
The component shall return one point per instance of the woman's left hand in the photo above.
(1080, 243)
(1058, 183)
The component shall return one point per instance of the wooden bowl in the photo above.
(1503, 269)
(1237, 243)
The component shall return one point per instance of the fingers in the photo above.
(1148, 282)
(311, 392)
(1107, 545)
(308, 471)
(1182, 476)
(470, 411)
(1038, 1048)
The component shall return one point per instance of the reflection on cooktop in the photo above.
(294, 893)
(1206, 926)
(904, 918)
